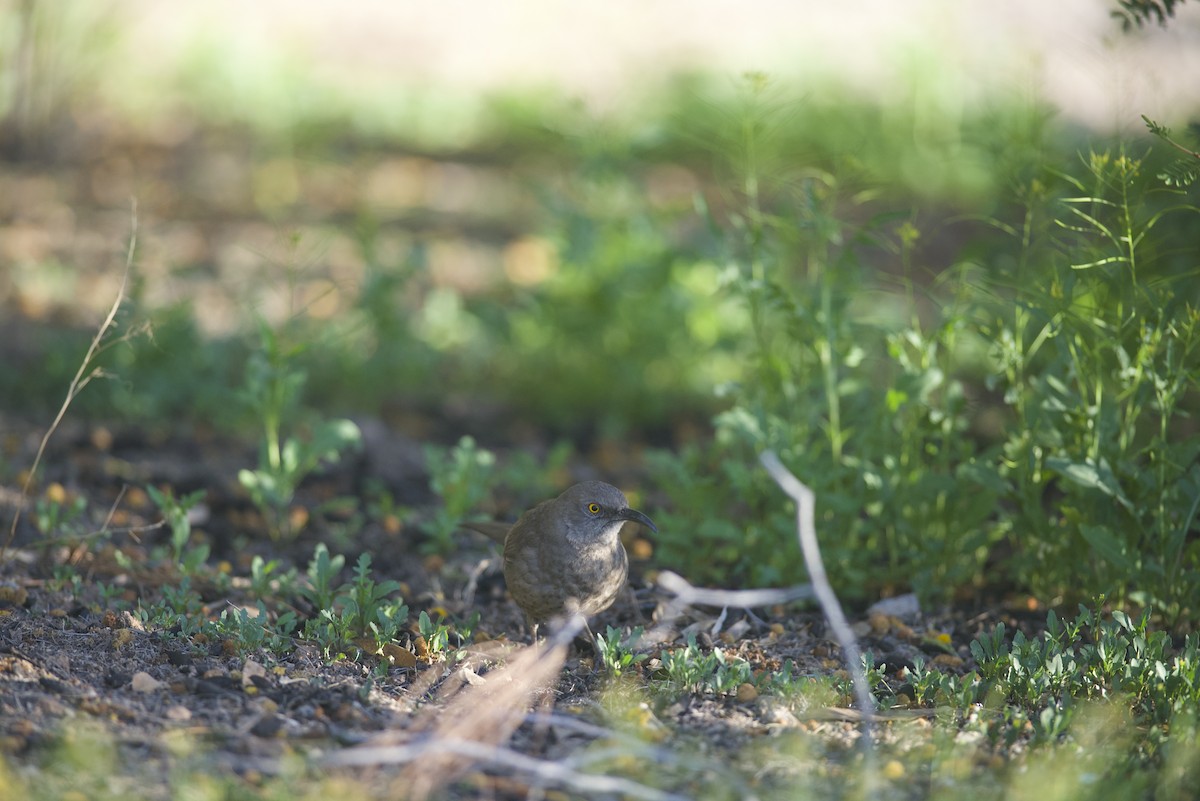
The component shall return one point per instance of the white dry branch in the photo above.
(811, 549)
(686, 593)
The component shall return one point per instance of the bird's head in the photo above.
(593, 510)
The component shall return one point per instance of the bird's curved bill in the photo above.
(637, 517)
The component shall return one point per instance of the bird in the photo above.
(565, 554)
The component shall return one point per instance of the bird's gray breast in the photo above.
(597, 579)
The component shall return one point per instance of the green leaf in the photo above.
(1105, 543)
(1091, 475)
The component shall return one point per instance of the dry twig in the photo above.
(807, 532)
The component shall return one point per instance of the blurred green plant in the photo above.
(247, 631)
(616, 652)
(360, 608)
(460, 477)
(62, 517)
(1134, 14)
(177, 516)
(1044, 680)
(178, 608)
(691, 670)
(268, 581)
(322, 572)
(272, 389)
(53, 56)
(864, 402)
(1182, 172)
(1098, 357)
(366, 606)
(436, 635)
(1093, 353)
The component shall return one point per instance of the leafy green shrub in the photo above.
(1099, 360)
(868, 411)
(1079, 324)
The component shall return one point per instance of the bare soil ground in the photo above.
(75, 658)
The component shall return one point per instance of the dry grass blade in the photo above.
(86, 372)
(473, 715)
(561, 774)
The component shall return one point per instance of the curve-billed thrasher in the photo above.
(565, 553)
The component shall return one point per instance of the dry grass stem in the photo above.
(83, 376)
(472, 716)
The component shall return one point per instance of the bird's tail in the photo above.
(490, 529)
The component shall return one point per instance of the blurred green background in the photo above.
(926, 253)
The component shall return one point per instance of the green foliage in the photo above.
(67, 517)
(249, 633)
(535, 477)
(867, 407)
(175, 373)
(459, 476)
(354, 610)
(616, 653)
(345, 613)
(178, 608)
(322, 572)
(267, 581)
(436, 635)
(176, 514)
(366, 606)
(1044, 683)
(571, 351)
(1182, 172)
(1097, 358)
(691, 670)
(272, 390)
(1078, 323)
(699, 534)
(1137, 13)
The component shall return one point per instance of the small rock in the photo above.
(252, 670)
(117, 678)
(746, 693)
(946, 661)
(738, 629)
(267, 726)
(179, 714)
(777, 715)
(179, 657)
(471, 677)
(902, 606)
(143, 682)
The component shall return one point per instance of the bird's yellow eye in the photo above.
(594, 508)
